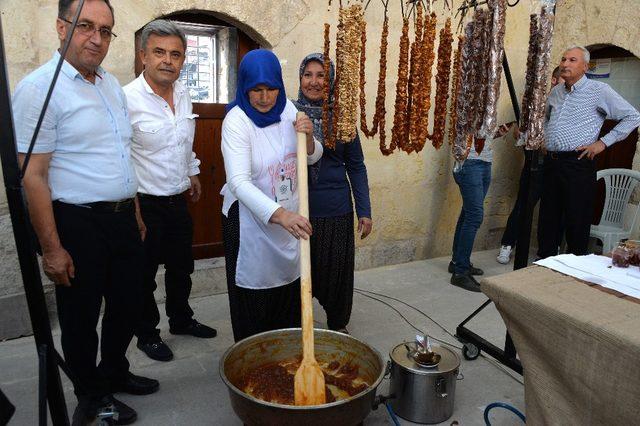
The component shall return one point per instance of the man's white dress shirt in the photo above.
(162, 146)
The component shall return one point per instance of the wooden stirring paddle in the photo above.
(309, 381)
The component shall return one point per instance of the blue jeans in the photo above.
(473, 179)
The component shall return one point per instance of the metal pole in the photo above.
(25, 248)
(509, 348)
(525, 217)
(512, 90)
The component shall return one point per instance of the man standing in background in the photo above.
(166, 166)
(576, 111)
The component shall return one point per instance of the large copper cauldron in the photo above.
(279, 345)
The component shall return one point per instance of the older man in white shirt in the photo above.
(166, 166)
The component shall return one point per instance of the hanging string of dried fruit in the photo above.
(495, 47)
(380, 110)
(326, 131)
(333, 128)
(530, 76)
(415, 78)
(363, 98)
(535, 129)
(399, 136)
(464, 108)
(482, 32)
(455, 90)
(427, 60)
(348, 52)
(442, 84)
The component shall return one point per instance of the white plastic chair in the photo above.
(619, 184)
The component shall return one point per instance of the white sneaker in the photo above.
(504, 255)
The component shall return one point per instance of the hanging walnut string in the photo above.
(455, 89)
(363, 98)
(398, 134)
(465, 93)
(348, 64)
(481, 61)
(331, 143)
(530, 76)
(428, 59)
(442, 85)
(412, 124)
(495, 47)
(326, 133)
(535, 129)
(380, 110)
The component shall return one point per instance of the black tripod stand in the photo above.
(6, 409)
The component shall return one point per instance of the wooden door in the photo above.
(207, 212)
(618, 156)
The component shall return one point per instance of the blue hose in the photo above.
(511, 408)
(394, 419)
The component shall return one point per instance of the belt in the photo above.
(110, 206)
(166, 198)
(559, 155)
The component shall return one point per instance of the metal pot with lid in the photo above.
(423, 392)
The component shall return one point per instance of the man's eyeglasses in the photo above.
(88, 28)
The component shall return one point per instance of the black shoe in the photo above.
(135, 385)
(85, 412)
(107, 408)
(465, 281)
(156, 350)
(195, 329)
(472, 269)
(108, 405)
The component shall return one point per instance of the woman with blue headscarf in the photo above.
(339, 174)
(261, 226)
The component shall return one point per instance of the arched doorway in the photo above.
(620, 69)
(214, 51)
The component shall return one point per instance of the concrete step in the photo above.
(208, 278)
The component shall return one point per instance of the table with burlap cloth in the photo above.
(579, 346)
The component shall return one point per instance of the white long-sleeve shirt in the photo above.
(243, 165)
(162, 143)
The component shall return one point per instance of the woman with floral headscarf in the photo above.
(332, 181)
(261, 226)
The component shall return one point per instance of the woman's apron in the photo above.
(269, 255)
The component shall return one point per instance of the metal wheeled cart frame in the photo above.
(474, 343)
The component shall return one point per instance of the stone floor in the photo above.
(192, 392)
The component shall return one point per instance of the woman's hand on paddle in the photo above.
(304, 125)
(296, 225)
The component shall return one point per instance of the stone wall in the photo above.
(414, 198)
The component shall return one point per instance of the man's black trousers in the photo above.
(568, 196)
(168, 242)
(107, 255)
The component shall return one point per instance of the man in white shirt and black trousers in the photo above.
(166, 166)
(80, 184)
